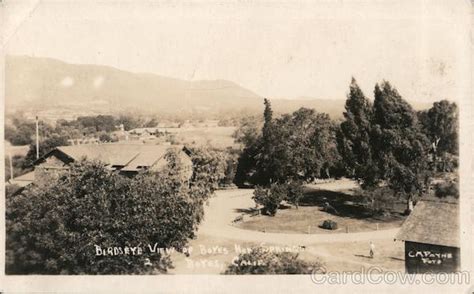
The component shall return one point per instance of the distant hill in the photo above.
(38, 84)
(43, 82)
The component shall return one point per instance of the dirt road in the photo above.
(217, 239)
(227, 205)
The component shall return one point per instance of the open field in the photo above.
(16, 150)
(218, 137)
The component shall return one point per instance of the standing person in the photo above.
(372, 249)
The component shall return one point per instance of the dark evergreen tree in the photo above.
(264, 159)
(354, 135)
(268, 119)
(399, 147)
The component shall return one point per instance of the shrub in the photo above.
(447, 189)
(261, 261)
(447, 162)
(17, 164)
(105, 137)
(294, 193)
(329, 225)
(230, 168)
(11, 189)
(270, 198)
(209, 167)
(20, 135)
(378, 200)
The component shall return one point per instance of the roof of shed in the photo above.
(432, 222)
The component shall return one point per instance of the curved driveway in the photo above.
(226, 205)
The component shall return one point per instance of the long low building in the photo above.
(126, 159)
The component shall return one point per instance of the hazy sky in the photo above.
(277, 49)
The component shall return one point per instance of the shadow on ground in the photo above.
(253, 211)
(342, 204)
(364, 256)
(345, 205)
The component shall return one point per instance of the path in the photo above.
(217, 231)
(227, 205)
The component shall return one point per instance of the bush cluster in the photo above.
(260, 261)
(271, 198)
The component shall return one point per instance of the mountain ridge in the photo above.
(37, 83)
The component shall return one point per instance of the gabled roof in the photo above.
(432, 222)
(146, 158)
(113, 154)
(127, 157)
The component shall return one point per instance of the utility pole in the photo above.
(37, 139)
(11, 165)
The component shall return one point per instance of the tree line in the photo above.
(384, 142)
(21, 131)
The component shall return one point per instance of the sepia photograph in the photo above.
(324, 140)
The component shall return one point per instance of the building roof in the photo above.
(146, 158)
(23, 180)
(432, 222)
(128, 157)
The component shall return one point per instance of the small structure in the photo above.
(431, 236)
(144, 131)
(120, 134)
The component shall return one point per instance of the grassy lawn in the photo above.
(310, 218)
(350, 217)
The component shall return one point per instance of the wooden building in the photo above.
(431, 235)
(125, 159)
